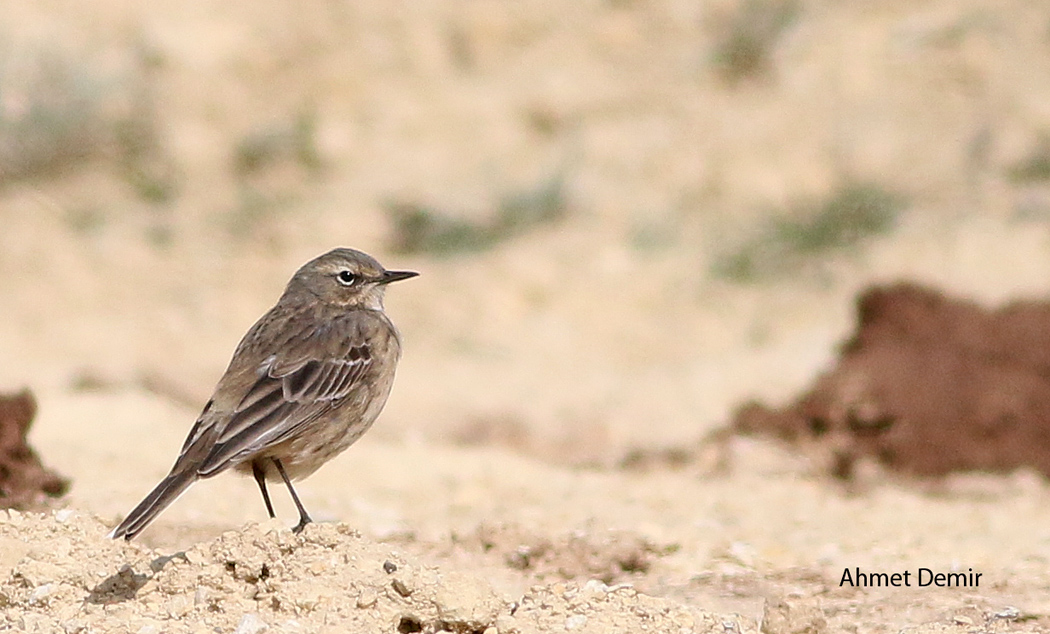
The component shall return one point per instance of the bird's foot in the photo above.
(303, 521)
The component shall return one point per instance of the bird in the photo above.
(305, 382)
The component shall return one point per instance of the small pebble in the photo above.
(595, 586)
(366, 599)
(40, 593)
(73, 627)
(251, 624)
(389, 567)
(575, 621)
(401, 588)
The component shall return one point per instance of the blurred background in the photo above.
(629, 216)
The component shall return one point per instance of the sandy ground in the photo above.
(491, 482)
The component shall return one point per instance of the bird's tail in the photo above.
(169, 489)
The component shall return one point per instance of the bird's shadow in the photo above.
(125, 583)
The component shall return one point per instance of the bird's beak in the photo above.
(394, 276)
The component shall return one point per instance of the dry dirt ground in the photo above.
(588, 166)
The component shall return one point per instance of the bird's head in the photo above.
(345, 277)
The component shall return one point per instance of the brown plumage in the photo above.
(306, 381)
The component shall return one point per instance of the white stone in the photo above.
(251, 624)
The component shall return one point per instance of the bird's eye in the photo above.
(346, 278)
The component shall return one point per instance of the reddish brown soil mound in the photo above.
(928, 385)
(24, 481)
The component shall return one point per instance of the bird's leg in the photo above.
(260, 479)
(304, 517)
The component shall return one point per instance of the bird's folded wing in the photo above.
(285, 397)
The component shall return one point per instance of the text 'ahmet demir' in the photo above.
(922, 578)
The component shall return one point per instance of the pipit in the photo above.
(306, 381)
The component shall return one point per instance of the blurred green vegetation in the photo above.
(419, 228)
(850, 214)
(273, 165)
(63, 109)
(748, 38)
(294, 142)
(1036, 166)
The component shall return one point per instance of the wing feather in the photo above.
(278, 405)
(263, 400)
